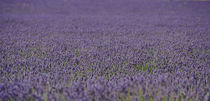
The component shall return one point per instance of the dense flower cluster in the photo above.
(53, 50)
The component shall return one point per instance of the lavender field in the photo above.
(104, 50)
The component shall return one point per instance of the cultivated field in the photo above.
(104, 50)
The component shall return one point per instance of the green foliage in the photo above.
(63, 97)
(45, 96)
(75, 76)
(151, 97)
(128, 97)
(143, 67)
(77, 53)
(118, 98)
(140, 92)
(11, 99)
(164, 98)
(172, 97)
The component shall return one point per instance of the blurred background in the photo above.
(94, 7)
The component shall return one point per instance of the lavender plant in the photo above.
(91, 50)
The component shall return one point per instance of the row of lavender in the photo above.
(144, 55)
